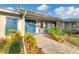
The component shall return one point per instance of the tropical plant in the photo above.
(2, 42)
(11, 31)
(56, 32)
(30, 40)
(13, 46)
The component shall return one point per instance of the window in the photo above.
(11, 23)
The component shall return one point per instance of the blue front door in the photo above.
(30, 25)
(11, 23)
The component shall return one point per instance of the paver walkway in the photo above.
(53, 47)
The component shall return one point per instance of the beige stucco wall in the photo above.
(2, 25)
(21, 25)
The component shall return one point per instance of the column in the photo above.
(44, 24)
(38, 24)
(58, 24)
(21, 28)
(2, 25)
(44, 27)
(63, 25)
(21, 25)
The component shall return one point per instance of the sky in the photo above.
(64, 11)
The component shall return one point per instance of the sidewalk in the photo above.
(52, 47)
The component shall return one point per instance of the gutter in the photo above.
(24, 47)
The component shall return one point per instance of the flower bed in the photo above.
(13, 44)
(31, 45)
(57, 34)
(74, 41)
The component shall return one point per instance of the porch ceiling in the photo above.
(35, 16)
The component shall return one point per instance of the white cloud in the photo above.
(60, 10)
(76, 12)
(42, 7)
(10, 8)
(70, 10)
(67, 12)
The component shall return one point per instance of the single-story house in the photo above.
(30, 21)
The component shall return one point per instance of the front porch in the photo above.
(26, 25)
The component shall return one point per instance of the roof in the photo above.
(30, 14)
(4, 11)
(33, 15)
(72, 20)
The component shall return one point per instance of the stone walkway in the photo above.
(52, 47)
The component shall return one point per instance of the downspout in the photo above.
(24, 47)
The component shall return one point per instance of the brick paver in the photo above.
(53, 47)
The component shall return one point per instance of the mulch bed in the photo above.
(51, 37)
(54, 38)
(66, 41)
(34, 50)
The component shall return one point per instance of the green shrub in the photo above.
(30, 40)
(58, 34)
(55, 31)
(11, 31)
(14, 45)
(74, 40)
(2, 44)
(14, 34)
